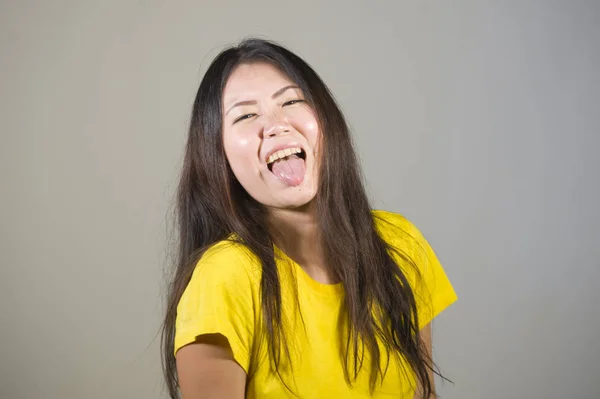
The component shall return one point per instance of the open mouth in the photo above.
(288, 165)
(285, 155)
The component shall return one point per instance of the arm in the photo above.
(214, 330)
(426, 339)
(207, 370)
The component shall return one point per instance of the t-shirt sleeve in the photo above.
(431, 287)
(218, 300)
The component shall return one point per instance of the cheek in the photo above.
(312, 132)
(241, 154)
(314, 138)
(307, 125)
(238, 146)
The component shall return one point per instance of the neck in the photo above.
(296, 233)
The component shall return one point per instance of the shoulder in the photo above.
(390, 219)
(226, 275)
(431, 287)
(221, 297)
(397, 230)
(230, 255)
(408, 245)
(229, 262)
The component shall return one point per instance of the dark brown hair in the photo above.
(211, 205)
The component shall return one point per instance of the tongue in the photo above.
(289, 170)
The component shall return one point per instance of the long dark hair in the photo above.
(211, 205)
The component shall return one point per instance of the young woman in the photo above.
(288, 284)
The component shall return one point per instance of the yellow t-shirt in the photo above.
(223, 296)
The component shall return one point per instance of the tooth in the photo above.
(283, 153)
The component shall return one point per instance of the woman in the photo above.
(287, 283)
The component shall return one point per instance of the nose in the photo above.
(275, 125)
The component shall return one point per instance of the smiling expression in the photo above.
(267, 119)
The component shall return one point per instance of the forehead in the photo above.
(253, 80)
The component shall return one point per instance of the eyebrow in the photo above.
(273, 96)
(282, 90)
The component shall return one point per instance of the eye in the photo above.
(292, 102)
(241, 118)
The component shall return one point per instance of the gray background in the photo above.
(477, 120)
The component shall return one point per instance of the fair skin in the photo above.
(263, 112)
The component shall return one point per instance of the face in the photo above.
(271, 136)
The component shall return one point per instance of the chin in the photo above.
(291, 197)
(294, 202)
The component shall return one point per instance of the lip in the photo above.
(283, 147)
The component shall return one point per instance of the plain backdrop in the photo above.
(477, 120)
